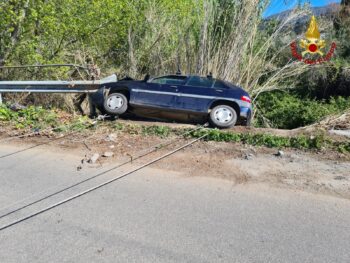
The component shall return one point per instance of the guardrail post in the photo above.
(0, 99)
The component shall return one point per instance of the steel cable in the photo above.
(37, 145)
(36, 133)
(148, 152)
(40, 144)
(99, 186)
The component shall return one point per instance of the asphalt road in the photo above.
(162, 216)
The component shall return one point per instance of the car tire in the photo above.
(248, 121)
(223, 116)
(116, 104)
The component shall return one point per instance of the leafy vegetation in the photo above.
(264, 139)
(162, 131)
(33, 117)
(38, 118)
(288, 111)
(272, 141)
(306, 142)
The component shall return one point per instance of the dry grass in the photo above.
(226, 40)
(223, 38)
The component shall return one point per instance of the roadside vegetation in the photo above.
(38, 119)
(141, 37)
(289, 110)
(41, 121)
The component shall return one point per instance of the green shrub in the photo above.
(36, 117)
(162, 131)
(30, 117)
(344, 147)
(6, 114)
(263, 139)
(288, 111)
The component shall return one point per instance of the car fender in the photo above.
(221, 101)
(119, 89)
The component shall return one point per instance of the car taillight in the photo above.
(246, 99)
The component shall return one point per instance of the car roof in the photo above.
(226, 83)
(170, 75)
(183, 76)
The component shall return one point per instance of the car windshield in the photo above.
(170, 80)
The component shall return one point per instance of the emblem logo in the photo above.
(312, 46)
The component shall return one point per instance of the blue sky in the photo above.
(277, 6)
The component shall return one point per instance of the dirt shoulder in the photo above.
(321, 172)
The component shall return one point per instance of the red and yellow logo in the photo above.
(313, 46)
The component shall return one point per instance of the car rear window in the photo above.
(200, 82)
(219, 85)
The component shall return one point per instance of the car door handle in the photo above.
(219, 90)
(175, 88)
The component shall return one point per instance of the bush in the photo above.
(5, 113)
(30, 117)
(288, 111)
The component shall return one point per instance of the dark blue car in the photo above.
(171, 96)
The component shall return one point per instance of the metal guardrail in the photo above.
(54, 86)
(44, 66)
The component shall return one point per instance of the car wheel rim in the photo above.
(115, 102)
(223, 115)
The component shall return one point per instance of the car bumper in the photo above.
(246, 112)
(98, 97)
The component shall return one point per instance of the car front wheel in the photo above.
(223, 116)
(116, 104)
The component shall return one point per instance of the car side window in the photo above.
(161, 80)
(200, 82)
(219, 85)
(170, 80)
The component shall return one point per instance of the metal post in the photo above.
(0, 99)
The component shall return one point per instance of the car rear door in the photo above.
(198, 93)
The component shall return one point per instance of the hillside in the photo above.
(324, 11)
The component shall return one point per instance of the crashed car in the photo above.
(172, 96)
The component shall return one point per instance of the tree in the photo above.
(14, 15)
(342, 27)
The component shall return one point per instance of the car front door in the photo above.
(160, 92)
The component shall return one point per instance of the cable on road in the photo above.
(147, 151)
(36, 133)
(26, 135)
(40, 144)
(100, 185)
(37, 145)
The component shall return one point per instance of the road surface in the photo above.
(161, 216)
